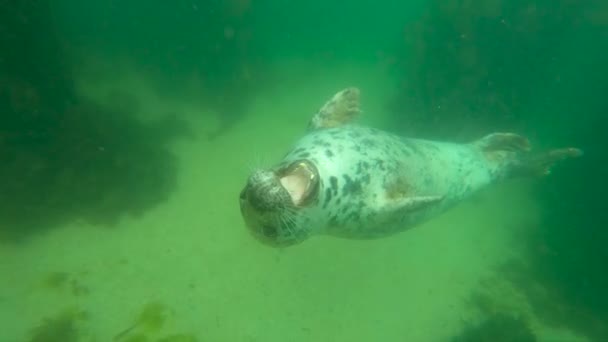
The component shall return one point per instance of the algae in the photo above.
(61, 328)
(151, 319)
(138, 338)
(56, 280)
(63, 281)
(498, 328)
(179, 338)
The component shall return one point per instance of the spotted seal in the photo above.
(352, 181)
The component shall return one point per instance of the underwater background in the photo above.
(128, 128)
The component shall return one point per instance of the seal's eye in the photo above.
(300, 180)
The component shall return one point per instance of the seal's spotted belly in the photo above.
(363, 170)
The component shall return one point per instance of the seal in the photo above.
(357, 182)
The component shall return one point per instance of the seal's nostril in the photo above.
(243, 194)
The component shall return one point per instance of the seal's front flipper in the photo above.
(404, 205)
(341, 109)
(540, 164)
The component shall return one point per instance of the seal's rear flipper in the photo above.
(540, 164)
(496, 142)
(509, 156)
(341, 109)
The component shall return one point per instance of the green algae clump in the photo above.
(151, 319)
(61, 328)
(179, 338)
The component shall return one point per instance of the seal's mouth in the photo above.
(300, 180)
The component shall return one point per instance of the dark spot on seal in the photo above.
(362, 166)
(329, 153)
(380, 164)
(405, 151)
(304, 155)
(320, 142)
(333, 181)
(298, 150)
(327, 197)
(428, 181)
(354, 135)
(397, 188)
(412, 146)
(365, 179)
(368, 142)
(354, 216)
(350, 186)
(338, 201)
(333, 221)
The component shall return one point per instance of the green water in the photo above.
(127, 130)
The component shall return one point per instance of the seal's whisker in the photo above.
(252, 166)
(291, 218)
(289, 212)
(289, 221)
(258, 162)
(283, 223)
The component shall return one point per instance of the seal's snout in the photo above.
(271, 202)
(292, 186)
(264, 192)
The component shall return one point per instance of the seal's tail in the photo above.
(510, 154)
(540, 164)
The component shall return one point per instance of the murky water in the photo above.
(128, 130)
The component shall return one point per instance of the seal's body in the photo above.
(374, 183)
(361, 183)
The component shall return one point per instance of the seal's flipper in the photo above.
(341, 109)
(503, 142)
(540, 164)
(509, 155)
(406, 205)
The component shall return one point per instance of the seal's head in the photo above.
(273, 202)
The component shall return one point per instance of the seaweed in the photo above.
(151, 319)
(78, 289)
(497, 328)
(138, 338)
(179, 338)
(61, 328)
(61, 281)
(56, 280)
(69, 158)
